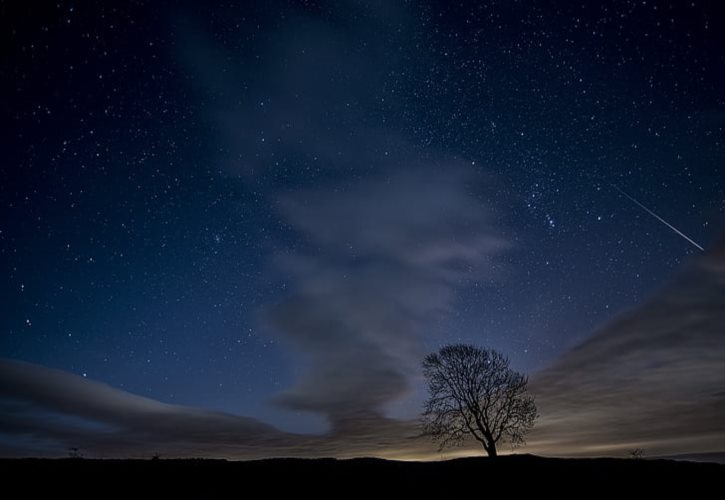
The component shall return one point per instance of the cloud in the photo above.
(47, 411)
(389, 254)
(391, 231)
(307, 95)
(653, 378)
(66, 410)
(387, 237)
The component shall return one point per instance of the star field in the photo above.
(158, 156)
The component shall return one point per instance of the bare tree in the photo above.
(473, 392)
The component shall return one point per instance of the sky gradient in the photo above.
(259, 218)
(651, 379)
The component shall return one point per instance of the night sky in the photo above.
(274, 209)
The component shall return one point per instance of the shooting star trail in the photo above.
(635, 201)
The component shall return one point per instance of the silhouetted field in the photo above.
(508, 475)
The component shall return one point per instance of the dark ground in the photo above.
(507, 475)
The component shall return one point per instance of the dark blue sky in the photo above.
(181, 180)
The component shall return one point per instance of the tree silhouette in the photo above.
(474, 392)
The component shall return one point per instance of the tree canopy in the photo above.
(474, 393)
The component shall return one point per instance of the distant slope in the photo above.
(714, 457)
(513, 475)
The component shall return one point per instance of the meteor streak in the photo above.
(636, 202)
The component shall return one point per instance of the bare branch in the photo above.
(474, 393)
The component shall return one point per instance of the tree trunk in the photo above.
(490, 449)
(489, 444)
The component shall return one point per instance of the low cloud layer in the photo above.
(45, 412)
(651, 379)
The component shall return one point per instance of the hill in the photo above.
(512, 475)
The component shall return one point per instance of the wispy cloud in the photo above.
(386, 245)
(47, 411)
(307, 96)
(389, 254)
(651, 379)
(390, 231)
(44, 406)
